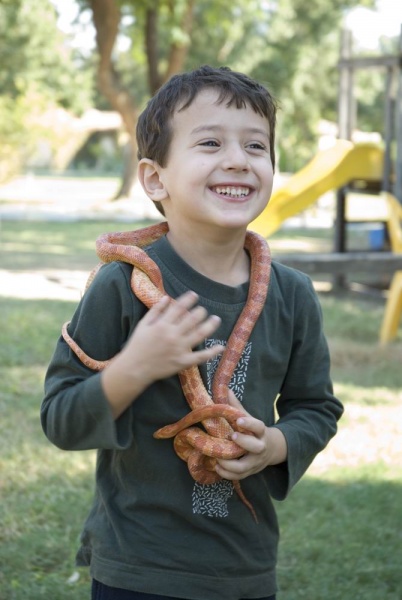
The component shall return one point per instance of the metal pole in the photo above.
(345, 128)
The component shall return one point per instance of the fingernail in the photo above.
(240, 421)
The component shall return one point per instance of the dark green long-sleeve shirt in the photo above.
(151, 527)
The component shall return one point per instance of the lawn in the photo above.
(342, 524)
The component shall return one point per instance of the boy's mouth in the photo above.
(232, 191)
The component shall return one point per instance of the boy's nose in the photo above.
(236, 158)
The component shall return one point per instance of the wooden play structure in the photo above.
(353, 169)
(393, 307)
(392, 170)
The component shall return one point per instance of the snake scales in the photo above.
(198, 448)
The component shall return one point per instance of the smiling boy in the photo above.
(206, 149)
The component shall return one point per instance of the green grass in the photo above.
(52, 245)
(341, 525)
(339, 539)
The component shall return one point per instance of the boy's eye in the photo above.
(210, 143)
(257, 146)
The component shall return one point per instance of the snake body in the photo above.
(198, 448)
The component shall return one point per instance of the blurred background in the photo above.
(75, 74)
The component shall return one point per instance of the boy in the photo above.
(206, 149)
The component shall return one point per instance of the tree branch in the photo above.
(106, 18)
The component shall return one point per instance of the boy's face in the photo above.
(219, 171)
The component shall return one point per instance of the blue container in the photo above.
(376, 238)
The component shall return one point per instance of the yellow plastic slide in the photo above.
(328, 170)
(393, 308)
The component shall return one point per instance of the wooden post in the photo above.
(346, 104)
(398, 161)
(389, 119)
(340, 237)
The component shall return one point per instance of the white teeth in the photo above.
(240, 192)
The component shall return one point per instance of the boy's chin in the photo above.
(240, 220)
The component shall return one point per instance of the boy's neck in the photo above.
(221, 260)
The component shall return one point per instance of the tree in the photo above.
(302, 61)
(33, 55)
(107, 15)
(37, 70)
(291, 46)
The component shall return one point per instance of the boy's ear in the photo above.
(148, 174)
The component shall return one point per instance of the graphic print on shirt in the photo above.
(212, 500)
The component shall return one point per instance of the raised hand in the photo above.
(160, 346)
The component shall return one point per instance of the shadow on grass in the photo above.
(339, 539)
(40, 527)
(30, 328)
(352, 325)
(54, 245)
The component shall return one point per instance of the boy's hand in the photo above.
(265, 446)
(163, 341)
(160, 346)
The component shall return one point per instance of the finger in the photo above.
(202, 331)
(191, 319)
(233, 469)
(180, 306)
(251, 425)
(156, 310)
(202, 356)
(187, 299)
(250, 443)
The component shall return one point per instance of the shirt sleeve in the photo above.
(75, 414)
(307, 409)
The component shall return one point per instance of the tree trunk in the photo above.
(106, 19)
(151, 49)
(178, 52)
(130, 163)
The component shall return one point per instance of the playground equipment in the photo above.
(393, 307)
(329, 170)
(392, 170)
(340, 167)
(393, 310)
